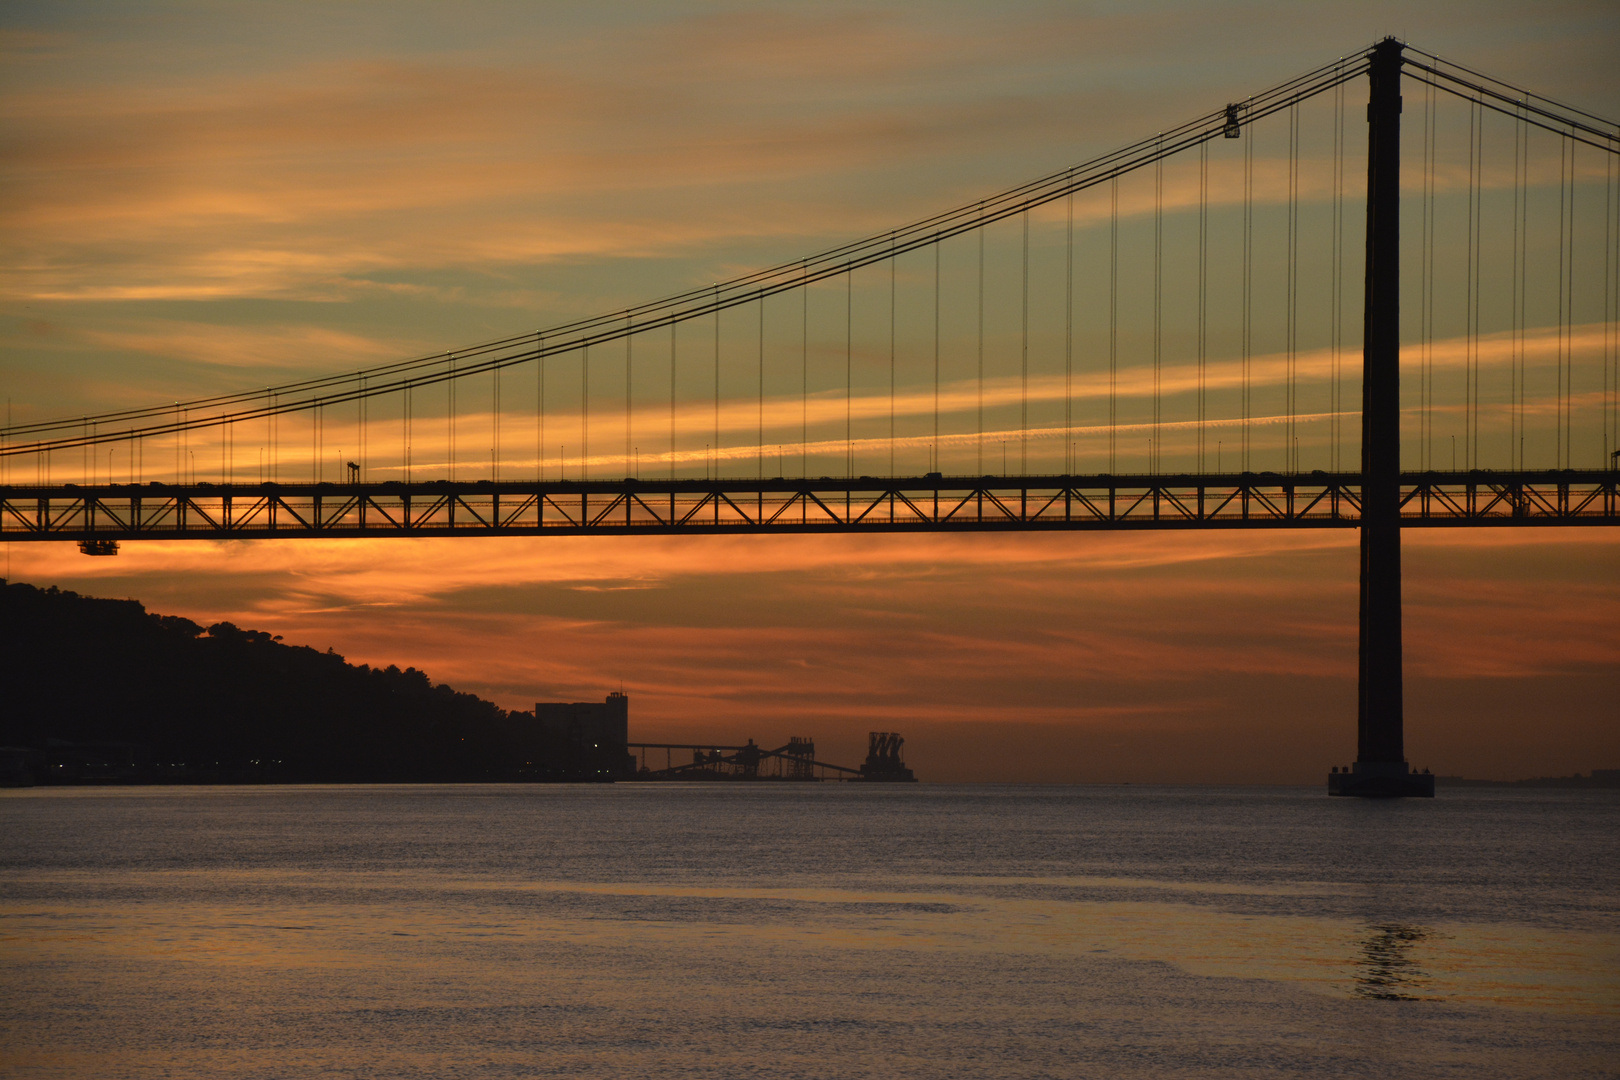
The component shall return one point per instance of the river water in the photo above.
(795, 930)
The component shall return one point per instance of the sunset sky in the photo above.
(204, 197)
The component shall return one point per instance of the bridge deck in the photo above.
(158, 511)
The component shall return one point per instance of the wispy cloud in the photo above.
(685, 135)
(289, 348)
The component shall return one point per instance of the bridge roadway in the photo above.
(158, 511)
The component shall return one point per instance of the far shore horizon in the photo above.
(1594, 780)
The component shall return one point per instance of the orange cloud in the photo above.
(1100, 633)
(289, 182)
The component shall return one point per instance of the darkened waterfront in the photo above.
(807, 930)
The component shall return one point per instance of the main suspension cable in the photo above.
(301, 395)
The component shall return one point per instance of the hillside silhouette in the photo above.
(104, 690)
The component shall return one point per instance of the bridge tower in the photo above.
(1380, 768)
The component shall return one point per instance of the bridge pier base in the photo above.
(1381, 780)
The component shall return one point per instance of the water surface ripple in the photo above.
(779, 930)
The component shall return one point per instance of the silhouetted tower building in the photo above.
(588, 737)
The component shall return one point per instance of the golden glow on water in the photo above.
(408, 933)
(1524, 967)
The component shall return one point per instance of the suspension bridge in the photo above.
(1158, 338)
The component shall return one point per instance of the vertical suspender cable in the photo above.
(1113, 326)
(935, 467)
(1574, 167)
(584, 408)
(1431, 224)
(1155, 451)
(980, 230)
(804, 377)
(1023, 361)
(1608, 310)
(1569, 319)
(1336, 302)
(935, 355)
(450, 412)
(1471, 300)
(1068, 335)
(892, 271)
(1558, 416)
(540, 407)
(849, 355)
(672, 325)
(1426, 290)
(1520, 242)
(629, 403)
(1203, 290)
(1248, 245)
(1291, 315)
(759, 432)
(1478, 246)
(1611, 307)
(1566, 314)
(717, 382)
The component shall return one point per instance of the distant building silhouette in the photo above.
(588, 738)
(1599, 778)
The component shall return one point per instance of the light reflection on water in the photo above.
(1389, 965)
(805, 931)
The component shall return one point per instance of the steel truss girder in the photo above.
(889, 504)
